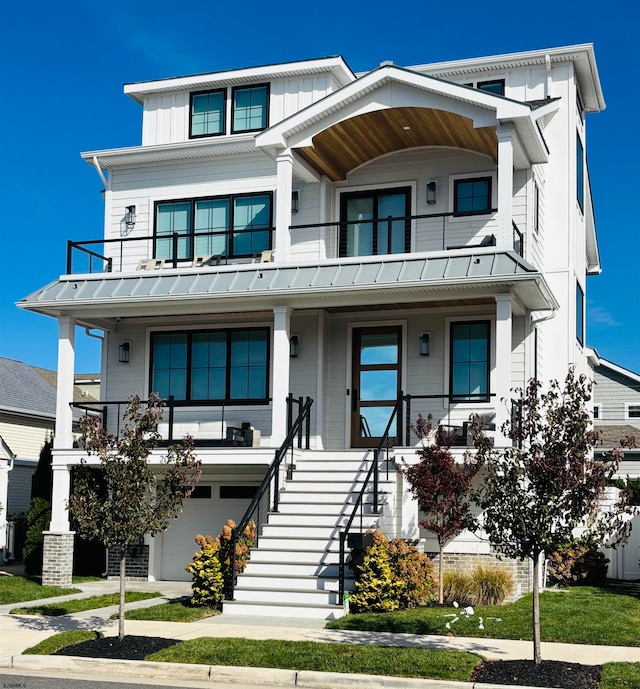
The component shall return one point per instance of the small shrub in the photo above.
(207, 584)
(38, 519)
(393, 575)
(482, 586)
(577, 564)
(243, 550)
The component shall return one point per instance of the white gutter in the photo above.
(547, 63)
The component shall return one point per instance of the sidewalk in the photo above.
(21, 632)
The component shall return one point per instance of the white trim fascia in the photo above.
(334, 65)
(591, 240)
(200, 148)
(618, 369)
(593, 357)
(30, 413)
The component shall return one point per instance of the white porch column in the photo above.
(504, 239)
(60, 497)
(281, 334)
(284, 180)
(503, 364)
(63, 438)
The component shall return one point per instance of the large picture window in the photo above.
(230, 226)
(250, 108)
(469, 372)
(579, 172)
(221, 366)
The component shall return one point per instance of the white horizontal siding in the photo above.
(26, 437)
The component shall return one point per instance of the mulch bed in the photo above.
(130, 648)
(549, 673)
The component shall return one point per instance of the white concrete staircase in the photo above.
(294, 570)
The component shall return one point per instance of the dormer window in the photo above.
(250, 108)
(494, 86)
(207, 113)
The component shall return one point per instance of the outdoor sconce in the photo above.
(294, 346)
(425, 341)
(295, 198)
(130, 217)
(431, 192)
(123, 352)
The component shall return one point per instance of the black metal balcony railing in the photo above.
(375, 236)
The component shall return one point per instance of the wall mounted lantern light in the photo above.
(295, 199)
(124, 350)
(431, 192)
(294, 346)
(425, 343)
(130, 217)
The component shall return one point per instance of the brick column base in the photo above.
(57, 560)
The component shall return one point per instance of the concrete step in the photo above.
(302, 531)
(310, 597)
(336, 498)
(275, 568)
(332, 509)
(290, 543)
(299, 520)
(318, 612)
(290, 581)
(290, 557)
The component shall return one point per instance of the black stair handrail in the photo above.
(372, 475)
(271, 477)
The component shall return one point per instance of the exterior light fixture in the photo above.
(425, 342)
(431, 192)
(124, 350)
(295, 198)
(294, 346)
(130, 217)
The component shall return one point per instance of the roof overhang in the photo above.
(336, 66)
(393, 109)
(248, 288)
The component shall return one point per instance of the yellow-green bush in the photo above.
(208, 582)
(483, 586)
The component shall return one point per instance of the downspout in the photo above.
(547, 62)
(96, 164)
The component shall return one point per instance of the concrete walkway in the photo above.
(19, 632)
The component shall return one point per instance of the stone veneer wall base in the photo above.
(57, 558)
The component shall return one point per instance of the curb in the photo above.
(227, 673)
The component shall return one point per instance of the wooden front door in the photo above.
(376, 376)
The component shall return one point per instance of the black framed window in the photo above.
(229, 366)
(469, 361)
(207, 113)
(493, 86)
(250, 108)
(580, 172)
(472, 196)
(232, 226)
(634, 411)
(375, 222)
(579, 314)
(536, 208)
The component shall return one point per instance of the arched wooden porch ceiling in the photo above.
(350, 143)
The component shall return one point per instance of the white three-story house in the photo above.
(296, 247)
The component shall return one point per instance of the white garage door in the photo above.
(205, 512)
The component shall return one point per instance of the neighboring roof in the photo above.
(313, 285)
(30, 390)
(610, 436)
(634, 377)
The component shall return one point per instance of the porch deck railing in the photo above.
(391, 234)
(267, 496)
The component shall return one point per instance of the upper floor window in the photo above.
(494, 86)
(469, 372)
(206, 115)
(536, 208)
(250, 108)
(633, 411)
(579, 314)
(222, 366)
(597, 412)
(471, 196)
(231, 226)
(580, 172)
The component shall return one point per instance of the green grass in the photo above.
(620, 676)
(174, 611)
(62, 640)
(581, 615)
(323, 657)
(82, 604)
(19, 589)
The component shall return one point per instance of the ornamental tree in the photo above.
(124, 499)
(442, 488)
(536, 493)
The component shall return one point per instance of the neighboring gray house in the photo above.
(616, 412)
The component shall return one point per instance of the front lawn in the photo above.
(19, 589)
(580, 615)
(323, 657)
(174, 611)
(54, 643)
(82, 604)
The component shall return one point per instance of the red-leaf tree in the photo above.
(126, 499)
(536, 493)
(442, 488)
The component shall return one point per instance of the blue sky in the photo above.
(63, 65)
